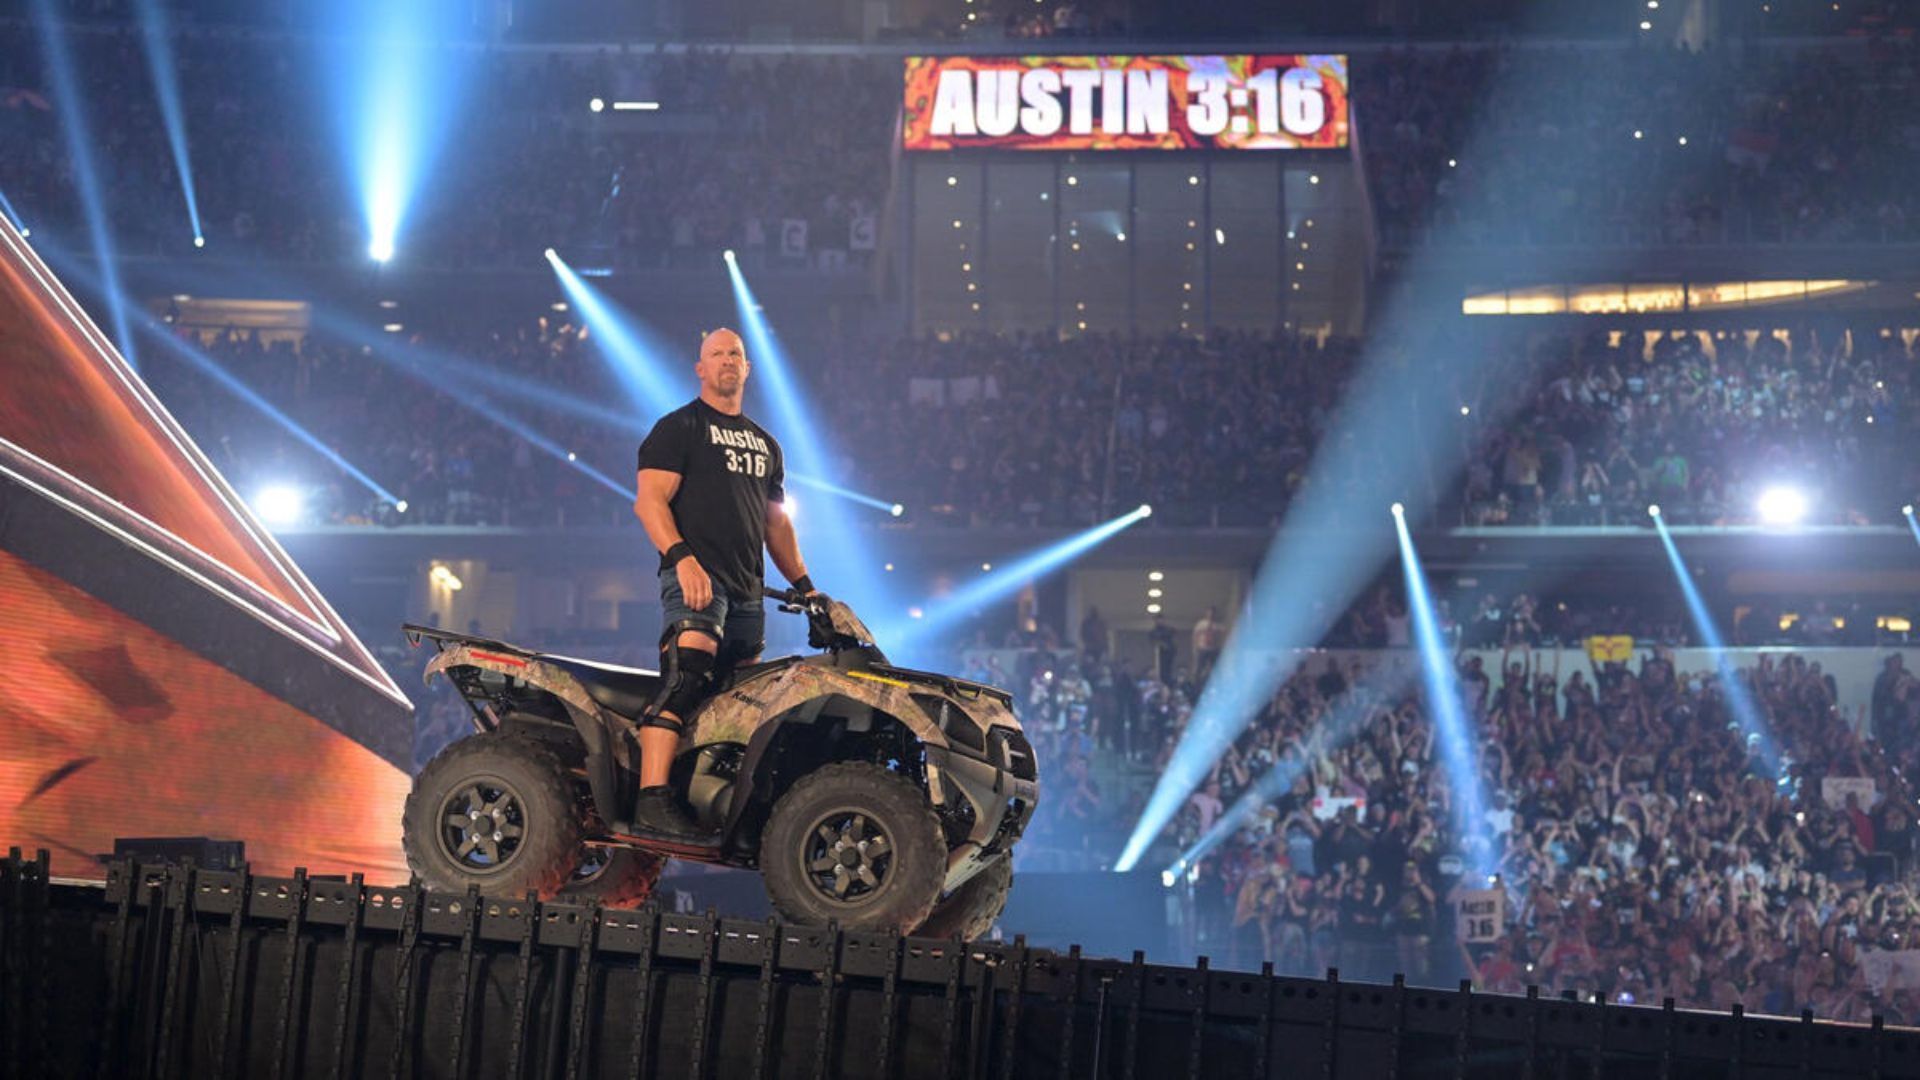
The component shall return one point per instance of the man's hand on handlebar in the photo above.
(793, 600)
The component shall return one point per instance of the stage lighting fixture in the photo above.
(400, 507)
(888, 568)
(849, 560)
(1782, 506)
(199, 241)
(1452, 723)
(1653, 510)
(1153, 609)
(1155, 575)
(280, 504)
(1146, 510)
(393, 327)
(986, 567)
(62, 85)
(1398, 510)
(1741, 705)
(1907, 510)
(380, 250)
(1010, 577)
(896, 510)
(597, 104)
(727, 255)
(443, 576)
(1167, 878)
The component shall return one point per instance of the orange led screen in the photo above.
(109, 729)
(1126, 102)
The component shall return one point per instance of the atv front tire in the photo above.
(496, 812)
(970, 910)
(615, 877)
(856, 844)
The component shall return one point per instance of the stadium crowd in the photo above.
(1631, 843)
(1479, 144)
(1025, 430)
(1634, 145)
(1698, 423)
(743, 161)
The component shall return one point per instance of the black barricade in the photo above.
(171, 971)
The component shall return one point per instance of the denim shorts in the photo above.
(742, 623)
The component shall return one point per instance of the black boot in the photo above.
(658, 813)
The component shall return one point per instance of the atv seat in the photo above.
(627, 691)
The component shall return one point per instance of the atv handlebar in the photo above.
(793, 601)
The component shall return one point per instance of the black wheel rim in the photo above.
(847, 857)
(482, 824)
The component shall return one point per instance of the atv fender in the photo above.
(992, 792)
(607, 742)
(737, 714)
(752, 712)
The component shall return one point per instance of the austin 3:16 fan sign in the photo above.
(1126, 102)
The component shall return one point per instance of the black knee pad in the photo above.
(689, 675)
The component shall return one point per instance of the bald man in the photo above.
(712, 485)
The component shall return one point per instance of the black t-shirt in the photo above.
(730, 468)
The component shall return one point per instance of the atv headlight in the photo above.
(953, 722)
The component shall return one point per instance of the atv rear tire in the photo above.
(517, 785)
(970, 910)
(855, 844)
(614, 877)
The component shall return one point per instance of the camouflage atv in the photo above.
(877, 796)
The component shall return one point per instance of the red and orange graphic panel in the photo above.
(110, 729)
(1243, 102)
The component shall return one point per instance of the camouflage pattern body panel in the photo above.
(553, 680)
(735, 714)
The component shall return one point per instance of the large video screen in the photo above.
(1126, 102)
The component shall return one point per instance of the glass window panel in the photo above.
(946, 236)
(1095, 277)
(1246, 274)
(1020, 245)
(1169, 246)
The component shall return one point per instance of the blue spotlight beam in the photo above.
(396, 79)
(443, 364)
(79, 141)
(166, 86)
(1006, 579)
(640, 369)
(845, 493)
(13, 216)
(1454, 729)
(1309, 575)
(1913, 524)
(440, 361)
(419, 368)
(838, 553)
(212, 369)
(1337, 732)
(1746, 711)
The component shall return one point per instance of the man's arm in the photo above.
(784, 545)
(656, 488)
